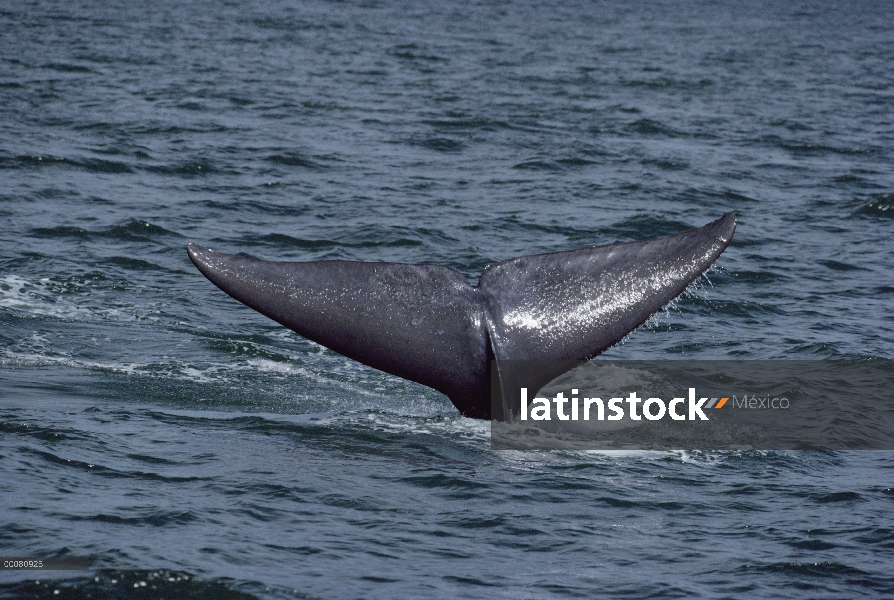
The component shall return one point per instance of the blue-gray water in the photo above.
(152, 423)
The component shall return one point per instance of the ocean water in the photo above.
(194, 449)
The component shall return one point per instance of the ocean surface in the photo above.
(195, 449)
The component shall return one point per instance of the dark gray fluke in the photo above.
(426, 323)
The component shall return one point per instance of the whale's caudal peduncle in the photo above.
(426, 323)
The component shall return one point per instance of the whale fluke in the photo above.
(426, 323)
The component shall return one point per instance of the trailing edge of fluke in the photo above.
(426, 323)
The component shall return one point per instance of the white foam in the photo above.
(43, 299)
(14, 359)
(21, 295)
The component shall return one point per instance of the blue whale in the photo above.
(426, 323)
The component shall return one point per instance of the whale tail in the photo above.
(426, 323)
